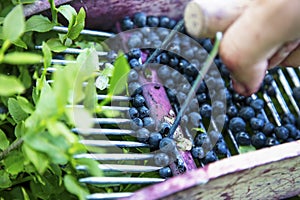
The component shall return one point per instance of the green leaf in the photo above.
(90, 100)
(5, 182)
(20, 43)
(91, 165)
(245, 149)
(46, 105)
(25, 77)
(15, 86)
(38, 23)
(20, 129)
(25, 195)
(14, 163)
(47, 55)
(38, 159)
(73, 187)
(57, 128)
(119, 79)
(22, 58)
(56, 45)
(78, 26)
(14, 24)
(17, 113)
(3, 140)
(199, 130)
(25, 104)
(69, 13)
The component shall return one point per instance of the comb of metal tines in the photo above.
(123, 159)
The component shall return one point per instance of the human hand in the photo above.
(263, 34)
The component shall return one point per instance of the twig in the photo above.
(11, 147)
(41, 5)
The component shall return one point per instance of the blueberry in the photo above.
(161, 159)
(218, 107)
(135, 64)
(243, 138)
(215, 136)
(183, 64)
(134, 42)
(258, 140)
(194, 106)
(181, 97)
(198, 152)
(143, 111)
(268, 128)
(296, 93)
(246, 113)
(172, 23)
(164, 21)
(195, 119)
(209, 157)
(133, 112)
(297, 135)
(127, 23)
(185, 88)
(164, 72)
(203, 140)
(167, 145)
(292, 130)
(173, 62)
(221, 148)
(224, 71)
(289, 118)
(136, 123)
(207, 45)
(202, 88)
(149, 123)
(164, 128)
(261, 116)
(187, 53)
(238, 98)
(257, 104)
(281, 132)
(154, 140)
(169, 83)
(138, 101)
(256, 123)
(165, 172)
(268, 79)
(271, 91)
(135, 53)
(237, 124)
(176, 76)
(205, 110)
(222, 120)
(171, 94)
(140, 19)
(232, 111)
(132, 76)
(201, 98)
(164, 58)
(271, 141)
(191, 71)
(134, 88)
(152, 21)
(143, 135)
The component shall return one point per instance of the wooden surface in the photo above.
(270, 173)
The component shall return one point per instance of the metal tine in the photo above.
(114, 98)
(111, 121)
(102, 131)
(236, 146)
(280, 98)
(115, 156)
(272, 108)
(112, 143)
(122, 168)
(108, 196)
(75, 51)
(61, 62)
(254, 96)
(288, 90)
(120, 180)
(293, 76)
(85, 32)
(109, 108)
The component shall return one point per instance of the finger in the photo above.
(254, 37)
(293, 60)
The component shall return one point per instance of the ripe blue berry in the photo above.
(195, 119)
(268, 79)
(237, 124)
(218, 107)
(138, 101)
(132, 76)
(152, 21)
(205, 110)
(167, 145)
(164, 128)
(271, 141)
(135, 64)
(133, 112)
(257, 104)
(164, 21)
(201, 98)
(258, 140)
(127, 23)
(246, 113)
(149, 123)
(154, 140)
(296, 93)
(221, 148)
(289, 118)
(232, 111)
(143, 135)
(144, 111)
(161, 159)
(243, 138)
(165, 172)
(164, 72)
(209, 157)
(281, 132)
(140, 19)
(198, 152)
(268, 128)
(256, 123)
(135, 53)
(292, 130)
(136, 123)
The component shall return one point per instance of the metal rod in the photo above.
(123, 168)
(115, 156)
(120, 180)
(85, 32)
(102, 131)
(108, 196)
(110, 143)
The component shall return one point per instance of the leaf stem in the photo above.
(11, 147)
(3, 49)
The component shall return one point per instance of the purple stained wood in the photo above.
(269, 173)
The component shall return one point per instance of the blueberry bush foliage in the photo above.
(37, 145)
